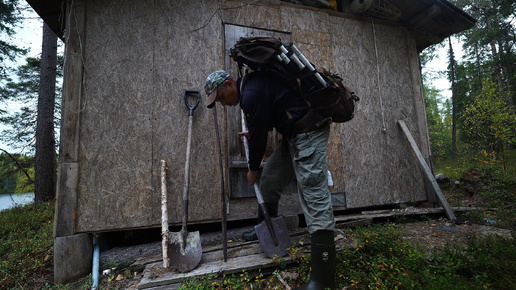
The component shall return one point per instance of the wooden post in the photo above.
(164, 214)
(427, 171)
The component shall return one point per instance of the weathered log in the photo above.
(164, 214)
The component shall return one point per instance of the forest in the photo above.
(476, 123)
(478, 120)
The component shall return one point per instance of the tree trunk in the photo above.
(45, 168)
(506, 82)
(454, 98)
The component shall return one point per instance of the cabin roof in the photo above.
(432, 20)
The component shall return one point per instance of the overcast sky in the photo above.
(29, 36)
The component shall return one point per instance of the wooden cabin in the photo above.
(129, 63)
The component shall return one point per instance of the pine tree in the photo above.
(46, 165)
(9, 19)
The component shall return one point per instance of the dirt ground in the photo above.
(435, 234)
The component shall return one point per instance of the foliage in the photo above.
(26, 245)
(379, 257)
(489, 122)
(24, 184)
(12, 179)
(382, 259)
(25, 89)
(488, 263)
(439, 122)
(490, 45)
(488, 65)
(484, 183)
(212, 281)
(379, 260)
(9, 19)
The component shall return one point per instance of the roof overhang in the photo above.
(432, 20)
(52, 12)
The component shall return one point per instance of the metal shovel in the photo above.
(184, 249)
(272, 233)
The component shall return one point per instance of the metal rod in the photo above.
(308, 65)
(222, 189)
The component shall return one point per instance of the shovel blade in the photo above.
(266, 240)
(184, 259)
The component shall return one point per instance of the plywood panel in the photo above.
(116, 130)
(187, 47)
(369, 149)
(128, 113)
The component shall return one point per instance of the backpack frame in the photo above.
(323, 91)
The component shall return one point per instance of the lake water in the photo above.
(8, 200)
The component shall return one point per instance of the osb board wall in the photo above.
(369, 158)
(378, 167)
(138, 57)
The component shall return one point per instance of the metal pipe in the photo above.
(294, 58)
(308, 65)
(95, 266)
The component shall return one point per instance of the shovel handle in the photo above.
(257, 191)
(246, 146)
(186, 184)
(187, 103)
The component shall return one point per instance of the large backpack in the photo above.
(323, 91)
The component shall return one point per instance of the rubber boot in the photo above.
(323, 262)
(272, 209)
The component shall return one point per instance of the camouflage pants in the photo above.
(307, 162)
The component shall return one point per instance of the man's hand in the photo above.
(252, 176)
(243, 134)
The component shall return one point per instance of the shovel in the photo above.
(184, 250)
(272, 232)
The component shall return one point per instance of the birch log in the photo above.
(164, 214)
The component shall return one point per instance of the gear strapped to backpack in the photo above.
(323, 91)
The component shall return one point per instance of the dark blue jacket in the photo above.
(265, 101)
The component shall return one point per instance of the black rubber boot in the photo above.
(323, 262)
(272, 209)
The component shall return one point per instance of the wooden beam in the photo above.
(423, 17)
(427, 171)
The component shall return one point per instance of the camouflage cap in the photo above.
(213, 82)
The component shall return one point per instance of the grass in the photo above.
(380, 257)
(485, 183)
(383, 260)
(26, 245)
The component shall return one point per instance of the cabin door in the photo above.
(237, 165)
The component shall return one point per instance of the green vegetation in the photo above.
(484, 182)
(383, 260)
(12, 178)
(26, 246)
(379, 258)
